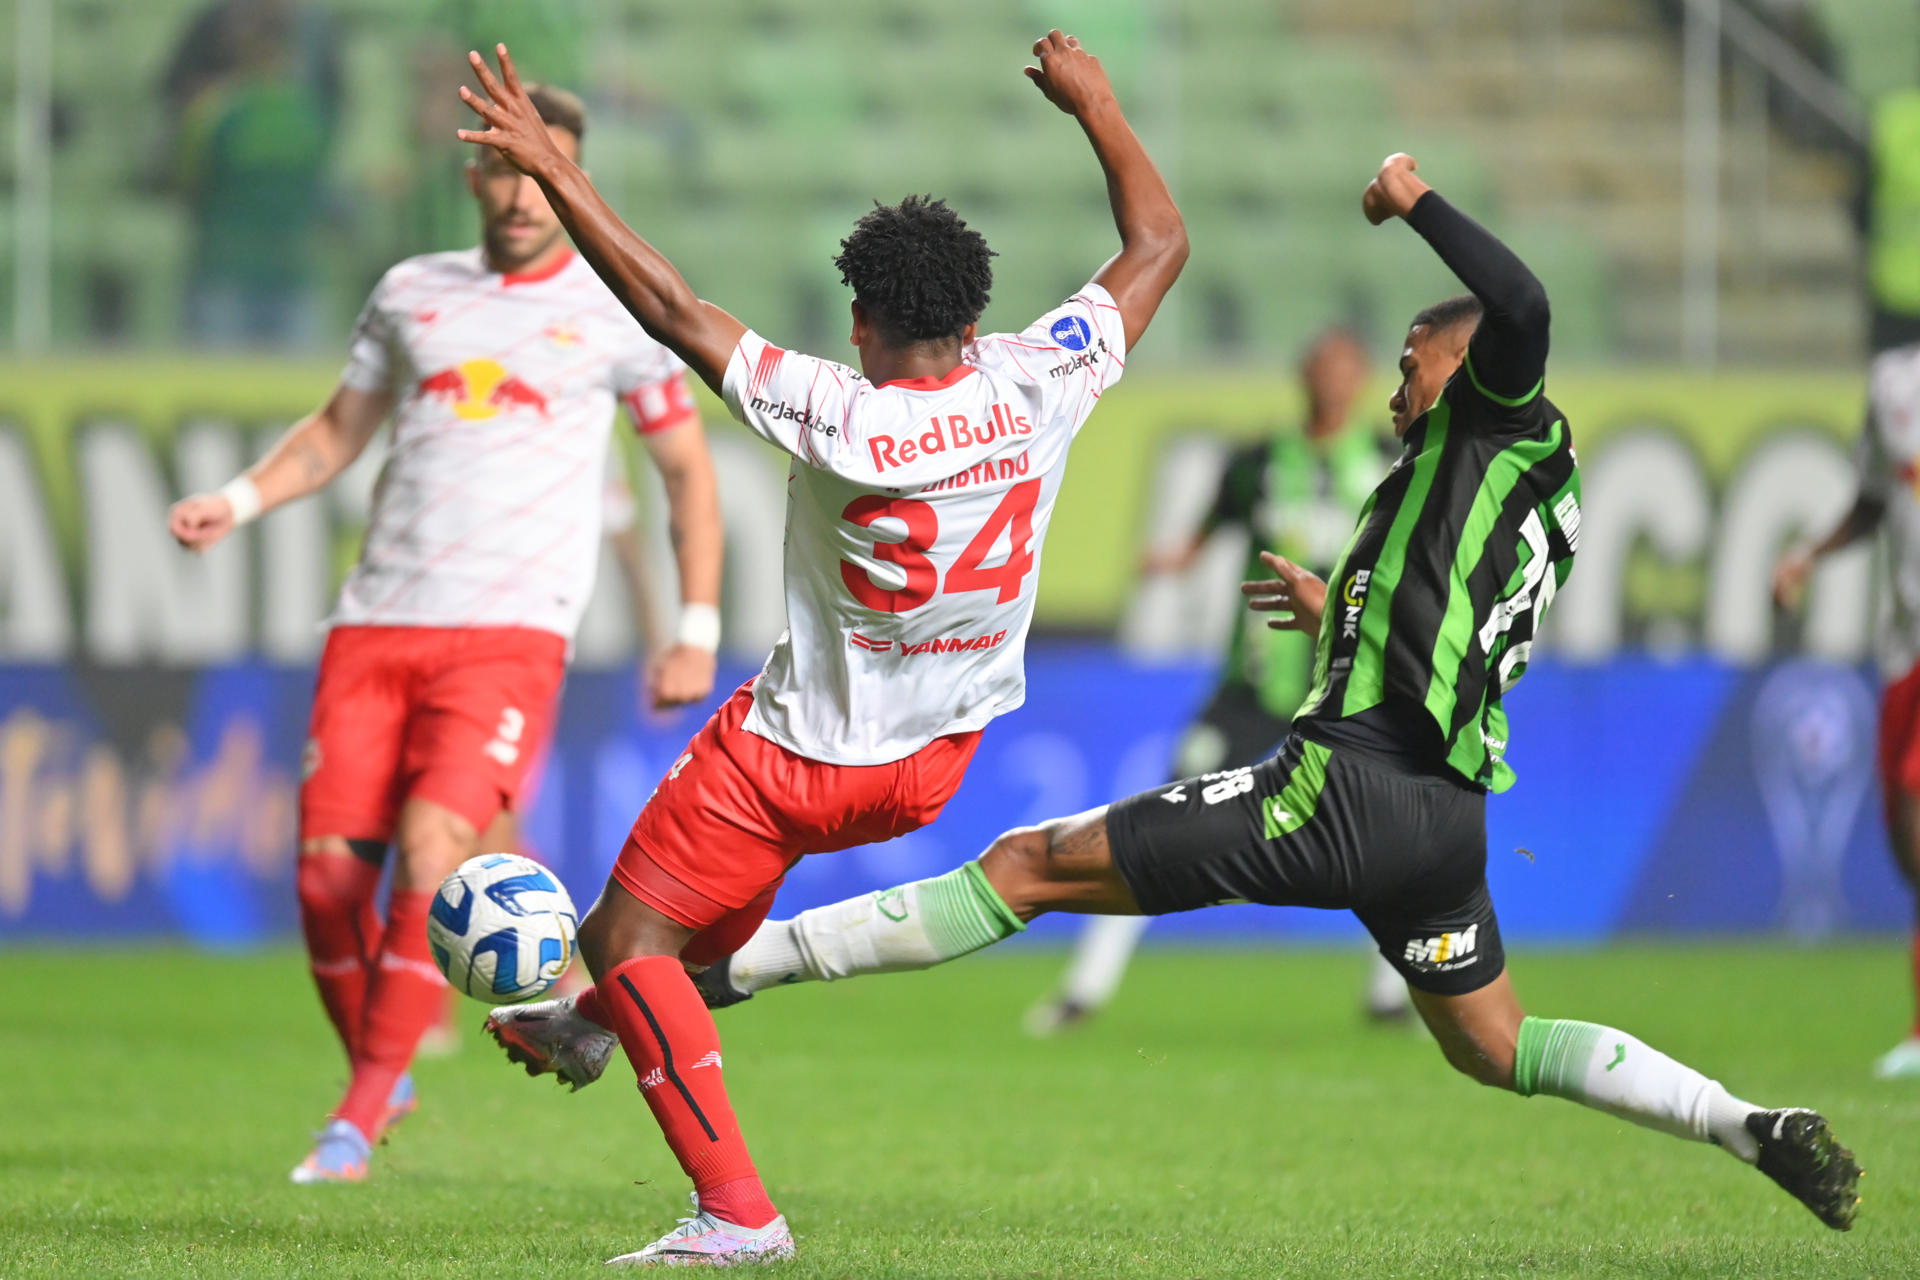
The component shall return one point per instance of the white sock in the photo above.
(1100, 959)
(913, 926)
(1611, 1071)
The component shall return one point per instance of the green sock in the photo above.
(1613, 1072)
(912, 926)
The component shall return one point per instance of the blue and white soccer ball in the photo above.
(501, 928)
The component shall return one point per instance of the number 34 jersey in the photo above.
(916, 510)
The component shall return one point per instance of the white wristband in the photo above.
(243, 497)
(699, 627)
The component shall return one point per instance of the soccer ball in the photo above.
(501, 928)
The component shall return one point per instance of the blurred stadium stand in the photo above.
(745, 137)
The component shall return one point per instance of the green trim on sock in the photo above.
(959, 911)
(987, 896)
(1526, 1055)
(1552, 1056)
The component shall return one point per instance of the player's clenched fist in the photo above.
(679, 677)
(1393, 191)
(1072, 78)
(200, 521)
(515, 128)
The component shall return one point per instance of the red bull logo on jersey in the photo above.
(953, 431)
(480, 389)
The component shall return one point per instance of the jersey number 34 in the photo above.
(969, 573)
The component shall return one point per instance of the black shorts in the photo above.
(1232, 730)
(1318, 827)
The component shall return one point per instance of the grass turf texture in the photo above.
(1231, 1116)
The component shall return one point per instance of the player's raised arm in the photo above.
(1153, 239)
(647, 284)
(307, 458)
(1507, 357)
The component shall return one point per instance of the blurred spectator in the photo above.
(254, 88)
(549, 43)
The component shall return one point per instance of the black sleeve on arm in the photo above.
(1508, 353)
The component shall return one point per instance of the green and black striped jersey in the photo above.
(1436, 601)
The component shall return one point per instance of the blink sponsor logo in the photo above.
(781, 411)
(1446, 952)
(1353, 598)
(1072, 332)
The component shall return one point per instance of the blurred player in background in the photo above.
(626, 538)
(1295, 493)
(1888, 500)
(501, 367)
(1377, 802)
(921, 489)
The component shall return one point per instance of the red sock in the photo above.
(403, 1000)
(343, 934)
(675, 1049)
(587, 1005)
(1916, 983)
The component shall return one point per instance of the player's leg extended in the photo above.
(1903, 830)
(336, 879)
(347, 810)
(642, 992)
(406, 993)
(1063, 865)
(1485, 1035)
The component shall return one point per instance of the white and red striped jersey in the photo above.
(1888, 455)
(488, 510)
(915, 516)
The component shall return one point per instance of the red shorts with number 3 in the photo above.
(735, 811)
(455, 716)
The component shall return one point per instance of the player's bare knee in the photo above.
(1019, 866)
(326, 847)
(433, 841)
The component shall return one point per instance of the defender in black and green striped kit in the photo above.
(1377, 803)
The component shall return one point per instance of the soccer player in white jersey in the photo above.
(501, 367)
(921, 489)
(1888, 500)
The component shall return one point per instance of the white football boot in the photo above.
(706, 1241)
(551, 1035)
(1901, 1061)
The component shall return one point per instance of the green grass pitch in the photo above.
(1230, 1117)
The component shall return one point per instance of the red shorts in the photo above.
(735, 811)
(451, 715)
(1900, 736)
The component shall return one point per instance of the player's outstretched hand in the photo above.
(1292, 591)
(1072, 78)
(681, 675)
(200, 521)
(515, 128)
(1394, 190)
(1790, 577)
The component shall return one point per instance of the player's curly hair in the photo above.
(920, 272)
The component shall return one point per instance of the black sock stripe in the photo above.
(666, 1059)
